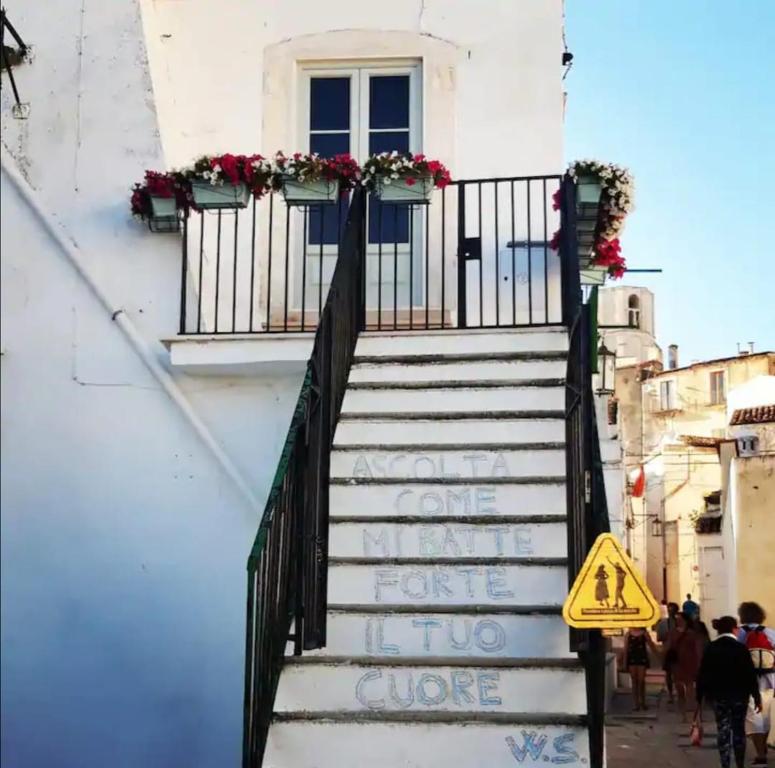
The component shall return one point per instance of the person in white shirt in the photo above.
(760, 726)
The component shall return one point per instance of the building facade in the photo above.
(673, 423)
(137, 459)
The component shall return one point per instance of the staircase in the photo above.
(447, 565)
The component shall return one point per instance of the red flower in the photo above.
(419, 158)
(556, 200)
(229, 167)
(410, 181)
(554, 243)
(608, 253)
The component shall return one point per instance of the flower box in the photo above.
(592, 275)
(217, 196)
(163, 207)
(588, 190)
(322, 191)
(408, 190)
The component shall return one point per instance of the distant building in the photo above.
(626, 324)
(672, 424)
(746, 506)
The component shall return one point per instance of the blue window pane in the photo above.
(389, 101)
(329, 144)
(325, 223)
(329, 104)
(392, 226)
(389, 141)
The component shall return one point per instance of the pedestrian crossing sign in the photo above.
(609, 592)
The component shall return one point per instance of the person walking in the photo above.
(760, 643)
(727, 679)
(690, 607)
(665, 626)
(637, 643)
(684, 650)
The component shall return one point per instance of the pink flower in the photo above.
(556, 200)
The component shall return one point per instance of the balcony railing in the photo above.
(478, 255)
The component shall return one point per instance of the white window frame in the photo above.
(667, 403)
(359, 72)
(712, 377)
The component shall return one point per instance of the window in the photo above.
(633, 311)
(667, 395)
(718, 393)
(362, 110)
(748, 446)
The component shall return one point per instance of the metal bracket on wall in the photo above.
(10, 58)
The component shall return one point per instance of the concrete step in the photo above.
(445, 635)
(481, 369)
(464, 463)
(468, 431)
(469, 539)
(426, 500)
(389, 345)
(409, 742)
(317, 686)
(491, 400)
(509, 582)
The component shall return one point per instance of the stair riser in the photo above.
(470, 432)
(345, 688)
(417, 745)
(486, 636)
(475, 371)
(506, 399)
(468, 464)
(447, 584)
(461, 343)
(429, 501)
(460, 540)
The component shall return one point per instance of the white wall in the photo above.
(123, 542)
(124, 539)
(495, 66)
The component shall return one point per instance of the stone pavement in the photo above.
(657, 738)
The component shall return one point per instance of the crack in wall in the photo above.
(78, 93)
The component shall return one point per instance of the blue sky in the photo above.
(683, 93)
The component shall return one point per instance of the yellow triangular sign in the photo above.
(609, 593)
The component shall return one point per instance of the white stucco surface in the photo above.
(132, 483)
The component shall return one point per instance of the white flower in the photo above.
(386, 180)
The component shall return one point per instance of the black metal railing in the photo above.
(287, 567)
(585, 486)
(479, 255)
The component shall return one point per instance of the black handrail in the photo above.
(287, 567)
(586, 500)
(479, 255)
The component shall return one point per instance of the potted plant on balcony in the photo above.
(310, 178)
(227, 181)
(396, 177)
(604, 198)
(158, 199)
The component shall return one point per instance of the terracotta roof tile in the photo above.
(759, 415)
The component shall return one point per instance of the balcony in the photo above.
(254, 280)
